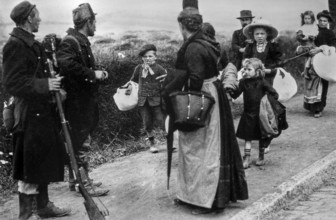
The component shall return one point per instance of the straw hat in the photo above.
(272, 32)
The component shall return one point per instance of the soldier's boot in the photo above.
(72, 182)
(84, 171)
(92, 190)
(47, 209)
(27, 205)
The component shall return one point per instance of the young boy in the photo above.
(149, 92)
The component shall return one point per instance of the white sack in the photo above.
(126, 102)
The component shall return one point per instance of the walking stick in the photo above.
(91, 208)
(295, 57)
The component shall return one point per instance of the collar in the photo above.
(23, 35)
(83, 40)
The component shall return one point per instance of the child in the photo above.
(149, 91)
(254, 87)
(306, 36)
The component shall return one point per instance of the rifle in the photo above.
(91, 208)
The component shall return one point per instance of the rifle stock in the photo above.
(91, 208)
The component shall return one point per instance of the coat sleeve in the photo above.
(276, 58)
(248, 51)
(236, 93)
(18, 81)
(69, 60)
(229, 79)
(269, 89)
(194, 58)
(234, 44)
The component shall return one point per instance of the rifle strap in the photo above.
(77, 43)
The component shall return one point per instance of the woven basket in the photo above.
(190, 109)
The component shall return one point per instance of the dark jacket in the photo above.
(198, 56)
(149, 87)
(77, 65)
(253, 90)
(271, 57)
(325, 37)
(238, 42)
(38, 149)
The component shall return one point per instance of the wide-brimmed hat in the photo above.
(245, 14)
(272, 32)
(82, 13)
(326, 14)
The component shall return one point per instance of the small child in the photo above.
(149, 92)
(306, 35)
(254, 87)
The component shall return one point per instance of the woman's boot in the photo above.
(246, 158)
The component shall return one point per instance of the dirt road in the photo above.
(137, 183)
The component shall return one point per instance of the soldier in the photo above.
(77, 65)
(38, 148)
(239, 41)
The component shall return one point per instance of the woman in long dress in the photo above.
(316, 88)
(210, 171)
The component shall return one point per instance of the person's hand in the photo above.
(55, 83)
(268, 71)
(101, 75)
(315, 51)
(161, 78)
(242, 50)
(249, 41)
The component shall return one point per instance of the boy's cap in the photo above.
(21, 11)
(144, 49)
(82, 13)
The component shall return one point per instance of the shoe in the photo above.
(27, 207)
(91, 182)
(317, 114)
(34, 217)
(246, 162)
(95, 192)
(260, 162)
(200, 211)
(153, 150)
(267, 149)
(53, 211)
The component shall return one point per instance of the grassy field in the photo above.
(119, 133)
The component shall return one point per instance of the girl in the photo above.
(316, 88)
(306, 36)
(254, 87)
(263, 47)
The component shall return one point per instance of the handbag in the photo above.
(190, 109)
(126, 102)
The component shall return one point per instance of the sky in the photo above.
(116, 16)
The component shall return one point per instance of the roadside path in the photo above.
(318, 206)
(137, 183)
